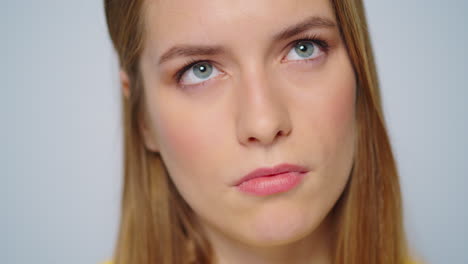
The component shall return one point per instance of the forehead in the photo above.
(171, 22)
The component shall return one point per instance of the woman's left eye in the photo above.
(304, 50)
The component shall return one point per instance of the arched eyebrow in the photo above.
(207, 50)
(307, 24)
(190, 50)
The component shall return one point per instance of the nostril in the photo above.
(269, 139)
(282, 133)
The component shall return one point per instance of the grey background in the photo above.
(60, 130)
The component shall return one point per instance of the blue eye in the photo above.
(198, 73)
(303, 50)
(202, 70)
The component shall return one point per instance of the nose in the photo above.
(263, 116)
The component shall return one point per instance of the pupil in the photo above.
(304, 49)
(203, 70)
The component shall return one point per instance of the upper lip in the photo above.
(279, 169)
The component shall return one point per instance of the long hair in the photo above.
(155, 223)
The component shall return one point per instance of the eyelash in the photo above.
(323, 44)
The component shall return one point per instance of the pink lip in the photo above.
(265, 181)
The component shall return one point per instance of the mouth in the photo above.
(267, 181)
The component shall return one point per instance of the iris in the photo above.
(304, 49)
(202, 70)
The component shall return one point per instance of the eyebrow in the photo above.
(207, 50)
(308, 23)
(190, 50)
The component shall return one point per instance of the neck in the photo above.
(313, 248)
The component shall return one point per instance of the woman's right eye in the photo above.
(198, 73)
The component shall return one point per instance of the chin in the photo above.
(281, 226)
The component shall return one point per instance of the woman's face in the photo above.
(261, 97)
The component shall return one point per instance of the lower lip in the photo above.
(271, 184)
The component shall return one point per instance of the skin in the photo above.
(263, 108)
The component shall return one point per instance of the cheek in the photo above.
(189, 138)
(336, 121)
(325, 102)
(338, 135)
(180, 138)
(337, 116)
(323, 95)
(327, 111)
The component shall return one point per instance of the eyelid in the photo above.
(197, 85)
(323, 45)
(313, 37)
(189, 65)
(178, 75)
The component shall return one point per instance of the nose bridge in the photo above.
(262, 112)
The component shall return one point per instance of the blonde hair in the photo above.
(156, 224)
